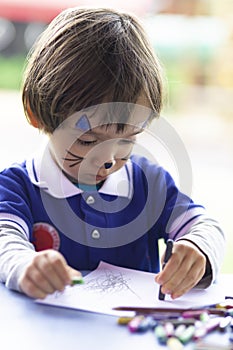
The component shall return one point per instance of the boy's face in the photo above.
(88, 151)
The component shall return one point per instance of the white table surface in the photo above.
(26, 325)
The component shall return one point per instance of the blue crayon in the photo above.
(147, 323)
(160, 334)
(141, 324)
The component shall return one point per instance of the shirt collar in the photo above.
(44, 172)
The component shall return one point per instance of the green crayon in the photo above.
(187, 334)
(77, 280)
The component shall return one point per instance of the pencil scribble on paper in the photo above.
(109, 282)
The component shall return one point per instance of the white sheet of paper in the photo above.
(110, 286)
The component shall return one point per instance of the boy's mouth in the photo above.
(100, 178)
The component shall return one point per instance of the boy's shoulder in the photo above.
(16, 184)
(15, 172)
(16, 167)
(141, 163)
(149, 170)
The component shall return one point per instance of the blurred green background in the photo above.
(194, 40)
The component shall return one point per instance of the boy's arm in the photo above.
(15, 254)
(36, 274)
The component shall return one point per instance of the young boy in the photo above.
(92, 84)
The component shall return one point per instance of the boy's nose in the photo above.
(103, 164)
(108, 165)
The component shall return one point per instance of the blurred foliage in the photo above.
(11, 70)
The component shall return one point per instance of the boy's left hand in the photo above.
(184, 269)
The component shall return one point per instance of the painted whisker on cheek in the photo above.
(74, 155)
(76, 160)
(74, 164)
(71, 159)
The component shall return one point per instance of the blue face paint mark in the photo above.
(83, 123)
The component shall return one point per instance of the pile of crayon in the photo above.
(175, 328)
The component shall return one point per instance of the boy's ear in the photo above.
(31, 116)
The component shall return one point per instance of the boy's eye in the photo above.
(85, 142)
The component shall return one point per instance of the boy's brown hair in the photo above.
(86, 57)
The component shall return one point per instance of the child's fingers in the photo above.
(73, 273)
(183, 280)
(45, 274)
(33, 283)
(59, 266)
(53, 273)
(172, 266)
(30, 288)
(189, 280)
(171, 275)
(183, 271)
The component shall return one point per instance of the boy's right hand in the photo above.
(47, 272)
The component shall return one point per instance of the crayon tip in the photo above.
(77, 280)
